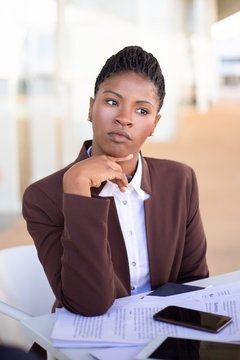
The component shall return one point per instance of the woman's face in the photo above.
(123, 114)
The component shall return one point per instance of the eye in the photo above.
(111, 102)
(142, 111)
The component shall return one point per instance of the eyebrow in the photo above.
(144, 102)
(120, 97)
(113, 92)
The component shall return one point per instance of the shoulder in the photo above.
(171, 177)
(51, 185)
(173, 181)
(48, 187)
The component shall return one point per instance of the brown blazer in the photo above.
(80, 243)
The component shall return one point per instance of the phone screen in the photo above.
(185, 349)
(171, 288)
(193, 318)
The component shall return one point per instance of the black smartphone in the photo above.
(171, 288)
(186, 349)
(195, 319)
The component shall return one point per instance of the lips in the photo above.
(119, 136)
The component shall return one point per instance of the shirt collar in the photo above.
(89, 151)
(137, 179)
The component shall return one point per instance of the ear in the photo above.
(158, 117)
(91, 102)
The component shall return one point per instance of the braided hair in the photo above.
(134, 58)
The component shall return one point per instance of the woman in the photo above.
(114, 223)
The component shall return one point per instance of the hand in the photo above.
(92, 172)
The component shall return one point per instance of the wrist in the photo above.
(77, 185)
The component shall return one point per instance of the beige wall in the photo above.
(227, 8)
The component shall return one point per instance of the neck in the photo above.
(129, 167)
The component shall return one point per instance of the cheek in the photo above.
(101, 114)
(100, 121)
(146, 130)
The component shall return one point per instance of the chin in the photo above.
(118, 154)
(118, 151)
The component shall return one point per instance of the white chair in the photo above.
(24, 292)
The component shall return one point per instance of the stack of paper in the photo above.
(130, 322)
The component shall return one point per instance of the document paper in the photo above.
(130, 322)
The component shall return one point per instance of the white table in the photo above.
(39, 328)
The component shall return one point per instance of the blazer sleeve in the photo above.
(194, 264)
(75, 254)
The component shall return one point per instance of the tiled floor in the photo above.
(210, 143)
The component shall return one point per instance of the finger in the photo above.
(122, 187)
(115, 166)
(121, 159)
(120, 178)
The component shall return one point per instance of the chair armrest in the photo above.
(13, 312)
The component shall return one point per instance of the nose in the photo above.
(124, 119)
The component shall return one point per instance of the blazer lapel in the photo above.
(154, 221)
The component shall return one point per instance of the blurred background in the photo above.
(51, 53)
